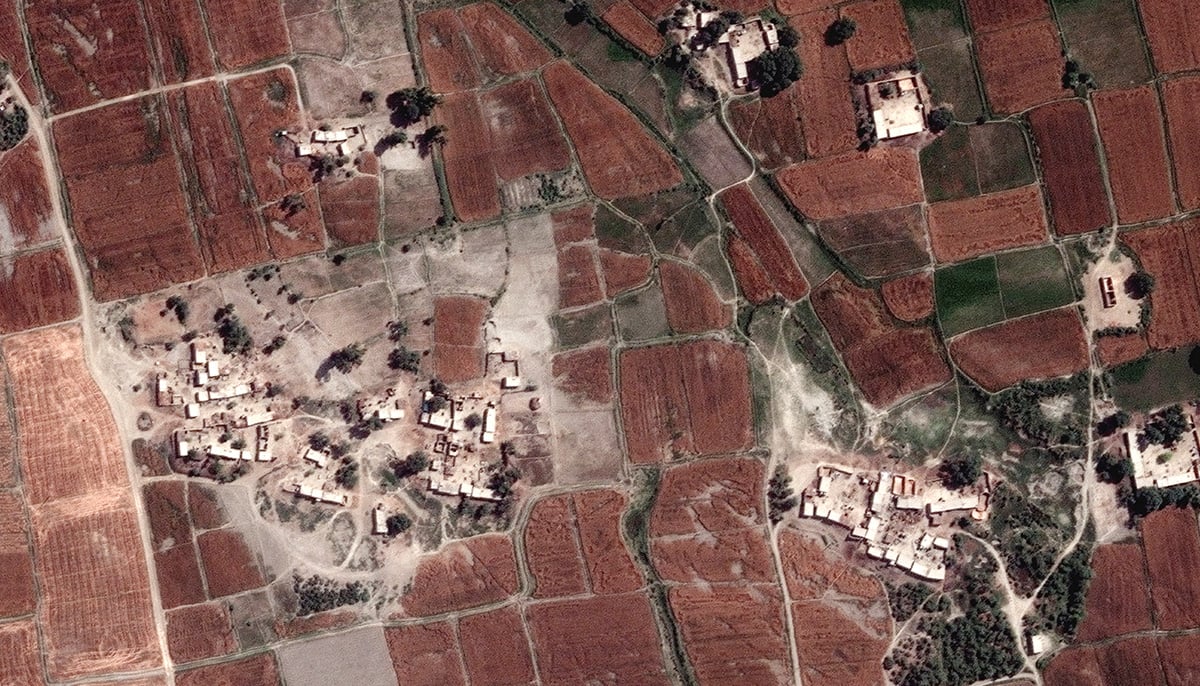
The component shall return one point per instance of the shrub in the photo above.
(347, 475)
(473, 420)
(780, 496)
(410, 105)
(318, 440)
(1139, 285)
(940, 119)
(840, 31)
(775, 70)
(347, 358)
(14, 124)
(398, 524)
(961, 471)
(414, 464)
(317, 594)
(404, 360)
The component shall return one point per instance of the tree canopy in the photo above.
(775, 70)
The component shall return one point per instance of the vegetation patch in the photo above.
(318, 594)
(1033, 280)
(967, 295)
(1157, 380)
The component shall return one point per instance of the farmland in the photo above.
(523, 130)
(24, 199)
(1172, 544)
(962, 229)
(827, 114)
(771, 128)
(1136, 151)
(1117, 601)
(755, 226)
(692, 306)
(1155, 381)
(479, 571)
(1174, 321)
(616, 639)
(1045, 345)
(1173, 30)
(1067, 148)
(909, 298)
(854, 183)
(879, 243)
(969, 160)
(882, 37)
(36, 289)
(468, 158)
(458, 337)
(1021, 65)
(1183, 125)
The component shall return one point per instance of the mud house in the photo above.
(897, 104)
(1164, 467)
(746, 41)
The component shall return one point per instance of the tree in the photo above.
(1113, 423)
(473, 420)
(347, 475)
(347, 358)
(410, 105)
(275, 344)
(961, 471)
(840, 31)
(1164, 428)
(368, 97)
(318, 440)
(940, 119)
(1077, 80)
(780, 496)
(775, 70)
(292, 203)
(579, 12)
(412, 465)
(788, 37)
(434, 135)
(181, 307)
(235, 338)
(1139, 285)
(396, 137)
(1113, 469)
(397, 330)
(14, 124)
(398, 524)
(404, 360)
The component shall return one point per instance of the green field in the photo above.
(1104, 37)
(1154, 381)
(970, 160)
(1033, 280)
(968, 296)
(939, 34)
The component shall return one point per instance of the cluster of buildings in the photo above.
(898, 102)
(741, 43)
(895, 517)
(1163, 467)
(341, 142)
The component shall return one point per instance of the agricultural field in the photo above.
(1157, 380)
(1066, 145)
(1131, 129)
(962, 229)
(943, 43)
(967, 161)
(991, 289)
(1047, 345)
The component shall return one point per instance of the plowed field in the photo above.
(458, 337)
(177, 33)
(1022, 66)
(198, 632)
(295, 232)
(465, 574)
(880, 243)
(1041, 346)
(1172, 544)
(179, 577)
(166, 508)
(909, 298)
(609, 564)
(882, 36)
(205, 507)
(1180, 97)
(1115, 350)
(1178, 656)
(611, 639)
(524, 132)
(36, 289)
(231, 236)
(733, 635)
(246, 32)
(470, 169)
(259, 670)
(887, 362)
(426, 655)
(229, 564)
(24, 201)
(12, 50)
(585, 374)
(989, 15)
(494, 648)
(19, 646)
(1164, 253)
(264, 103)
(578, 280)
(619, 158)
(351, 210)
(962, 229)
(752, 279)
(16, 566)
(1137, 159)
(692, 306)
(634, 27)
(502, 44)
(127, 204)
(448, 60)
(854, 183)
(1173, 29)
(552, 549)
(87, 51)
(771, 127)
(1118, 601)
(1066, 146)
(692, 398)
(828, 114)
(772, 251)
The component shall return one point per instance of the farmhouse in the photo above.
(1164, 467)
(897, 104)
(742, 43)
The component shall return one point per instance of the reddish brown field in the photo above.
(691, 398)
(1115, 350)
(177, 34)
(622, 271)
(909, 298)
(264, 103)
(574, 225)
(127, 203)
(259, 670)
(445, 53)
(494, 648)
(552, 551)
(619, 158)
(733, 635)
(470, 170)
(794, 7)
(634, 27)
(17, 596)
(989, 15)
(24, 200)
(87, 51)
(1131, 662)
(1022, 66)
(833, 648)
(458, 337)
(501, 42)
(1174, 320)
(1040, 346)
(19, 646)
(229, 564)
(1183, 128)
(12, 50)
(524, 132)
(311, 624)
(230, 235)
(756, 227)
(887, 362)
(179, 577)
(1074, 667)
(609, 564)
(1118, 601)
(608, 639)
(1137, 158)
(585, 374)
(1066, 146)
(205, 506)
(692, 305)
(882, 36)
(165, 503)
(474, 572)
(854, 183)
(1172, 544)
(1178, 656)
(771, 127)
(351, 210)
(653, 9)
(246, 33)
(962, 229)
(1173, 29)
(36, 289)
(298, 232)
(828, 114)
(8, 438)
(812, 569)
(426, 655)
(198, 632)
(879, 244)
(578, 281)
(752, 279)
